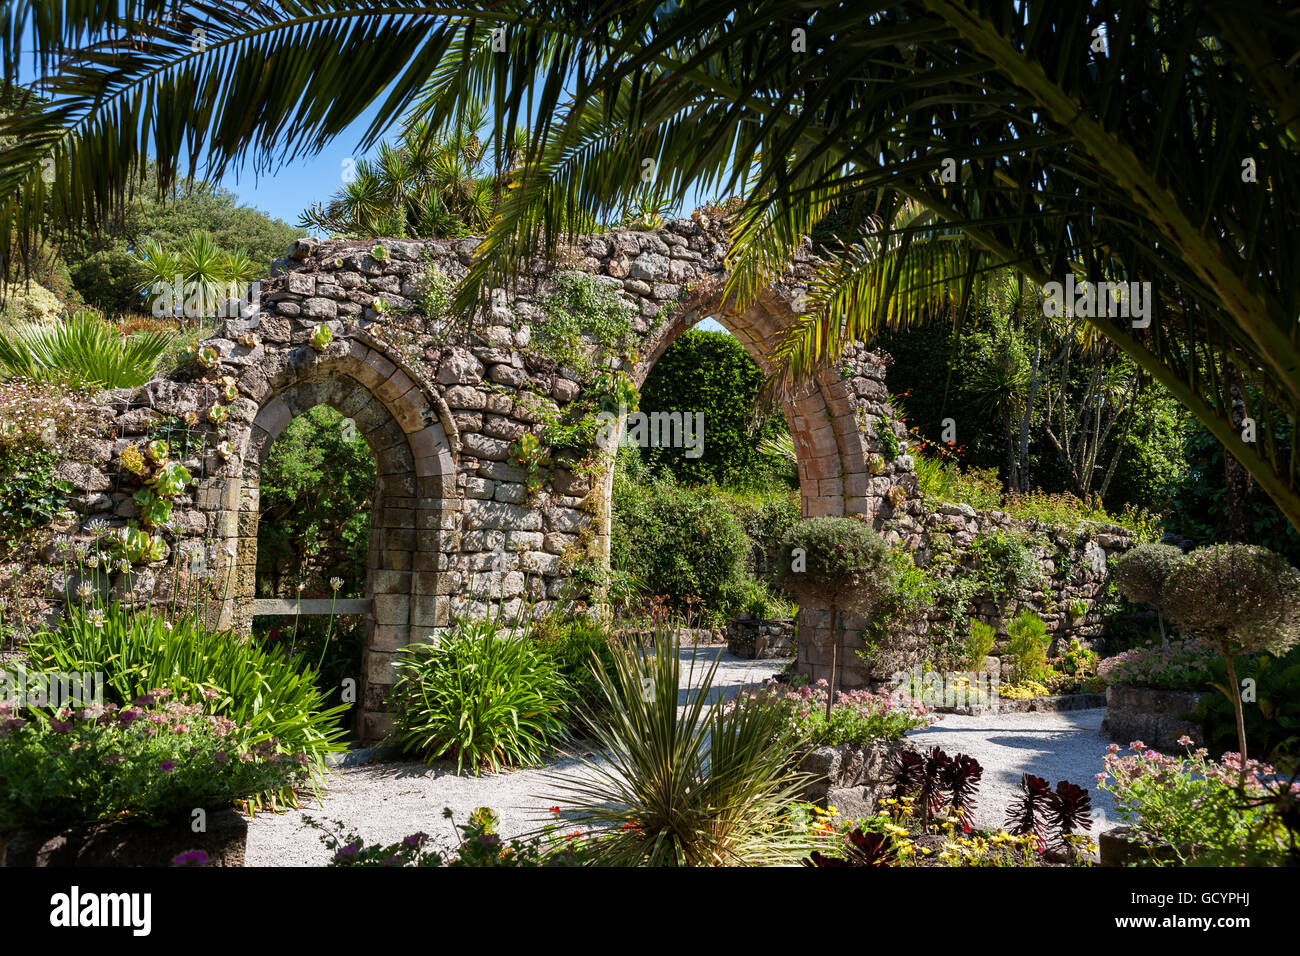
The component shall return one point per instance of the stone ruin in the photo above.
(466, 520)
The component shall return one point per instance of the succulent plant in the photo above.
(217, 414)
(863, 849)
(225, 449)
(321, 336)
(229, 388)
(157, 450)
(207, 357)
(132, 460)
(249, 340)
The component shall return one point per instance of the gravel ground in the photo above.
(1055, 746)
(384, 802)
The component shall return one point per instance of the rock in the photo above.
(460, 367)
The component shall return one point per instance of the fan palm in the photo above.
(83, 351)
(1167, 154)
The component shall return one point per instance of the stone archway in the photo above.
(828, 423)
(413, 507)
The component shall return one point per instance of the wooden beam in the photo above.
(289, 607)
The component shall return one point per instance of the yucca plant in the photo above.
(697, 783)
(139, 651)
(207, 273)
(479, 695)
(81, 350)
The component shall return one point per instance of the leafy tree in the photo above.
(426, 185)
(194, 278)
(1142, 573)
(1241, 598)
(710, 372)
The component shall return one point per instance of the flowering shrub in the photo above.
(37, 425)
(1183, 665)
(1194, 807)
(154, 758)
(857, 718)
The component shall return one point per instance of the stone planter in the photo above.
(762, 639)
(1116, 847)
(1155, 717)
(127, 843)
(851, 779)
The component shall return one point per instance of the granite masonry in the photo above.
(468, 517)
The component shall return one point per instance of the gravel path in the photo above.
(1056, 746)
(384, 802)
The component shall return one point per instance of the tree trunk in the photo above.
(1238, 483)
(835, 650)
(1240, 714)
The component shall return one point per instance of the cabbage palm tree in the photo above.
(1152, 141)
(196, 277)
(426, 186)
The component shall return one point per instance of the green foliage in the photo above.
(1240, 597)
(434, 293)
(684, 785)
(157, 759)
(137, 651)
(684, 542)
(1027, 644)
(838, 560)
(1198, 507)
(316, 489)
(1272, 719)
(858, 718)
(209, 275)
(945, 482)
(1006, 563)
(1141, 573)
(711, 372)
(889, 445)
(103, 266)
(578, 647)
(30, 495)
(1182, 665)
(82, 351)
(582, 313)
(424, 185)
(480, 696)
(979, 643)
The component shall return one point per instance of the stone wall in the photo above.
(460, 525)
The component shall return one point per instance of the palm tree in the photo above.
(425, 186)
(1151, 141)
(195, 278)
(82, 351)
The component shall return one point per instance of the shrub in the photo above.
(1182, 665)
(577, 647)
(579, 313)
(275, 697)
(1240, 598)
(857, 718)
(711, 372)
(480, 696)
(1194, 808)
(979, 644)
(685, 542)
(1273, 720)
(841, 561)
(155, 758)
(82, 350)
(1141, 573)
(1027, 644)
(685, 785)
(945, 482)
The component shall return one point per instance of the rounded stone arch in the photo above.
(829, 443)
(415, 508)
(831, 446)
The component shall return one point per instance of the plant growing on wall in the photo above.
(582, 317)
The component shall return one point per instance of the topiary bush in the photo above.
(1140, 575)
(1241, 598)
(1027, 644)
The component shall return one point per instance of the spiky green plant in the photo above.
(81, 350)
(681, 784)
